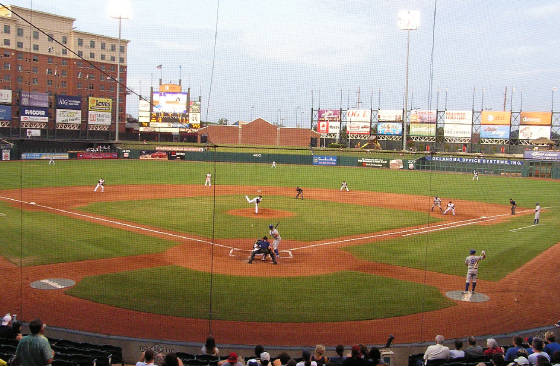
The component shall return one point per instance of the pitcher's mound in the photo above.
(264, 213)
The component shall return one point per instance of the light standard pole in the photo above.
(408, 20)
(120, 18)
(297, 112)
(552, 105)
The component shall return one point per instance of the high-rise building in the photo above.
(79, 64)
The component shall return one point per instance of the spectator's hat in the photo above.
(232, 358)
(6, 319)
(265, 356)
(472, 251)
(521, 361)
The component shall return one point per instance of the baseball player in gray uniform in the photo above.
(273, 231)
(256, 201)
(537, 214)
(437, 203)
(472, 262)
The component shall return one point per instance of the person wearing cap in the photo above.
(273, 231)
(537, 214)
(265, 359)
(538, 350)
(521, 361)
(437, 351)
(34, 349)
(232, 360)
(472, 262)
(256, 360)
(9, 330)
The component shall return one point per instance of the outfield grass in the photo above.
(182, 292)
(44, 238)
(445, 251)
(312, 220)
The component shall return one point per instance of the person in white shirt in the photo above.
(537, 214)
(450, 207)
(146, 359)
(437, 351)
(538, 350)
(457, 352)
(208, 181)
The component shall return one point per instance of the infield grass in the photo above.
(340, 296)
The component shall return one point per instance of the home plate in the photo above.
(467, 296)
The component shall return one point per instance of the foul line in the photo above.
(524, 227)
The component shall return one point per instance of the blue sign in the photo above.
(34, 114)
(494, 131)
(456, 159)
(5, 113)
(68, 102)
(542, 155)
(324, 160)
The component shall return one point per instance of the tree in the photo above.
(223, 121)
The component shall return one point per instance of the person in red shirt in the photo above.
(493, 348)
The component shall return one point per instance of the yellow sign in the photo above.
(100, 104)
(171, 88)
(536, 118)
(495, 118)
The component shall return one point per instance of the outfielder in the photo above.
(437, 203)
(472, 262)
(51, 161)
(273, 232)
(299, 193)
(537, 214)
(262, 246)
(256, 201)
(475, 175)
(344, 186)
(100, 184)
(274, 164)
(450, 207)
(208, 181)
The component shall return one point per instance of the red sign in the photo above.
(97, 155)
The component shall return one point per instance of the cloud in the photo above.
(544, 11)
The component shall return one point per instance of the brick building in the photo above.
(31, 61)
(258, 132)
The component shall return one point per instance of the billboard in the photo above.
(458, 117)
(34, 99)
(388, 128)
(143, 111)
(529, 132)
(194, 114)
(457, 130)
(358, 115)
(68, 116)
(324, 160)
(536, 118)
(422, 129)
(542, 155)
(99, 118)
(389, 115)
(328, 127)
(34, 114)
(5, 96)
(170, 102)
(100, 104)
(495, 118)
(422, 116)
(328, 115)
(68, 102)
(494, 131)
(5, 113)
(357, 128)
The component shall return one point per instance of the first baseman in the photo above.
(472, 262)
(450, 207)
(256, 201)
(273, 232)
(437, 203)
(537, 214)
(100, 184)
(208, 181)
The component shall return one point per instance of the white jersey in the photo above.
(437, 201)
(275, 234)
(101, 182)
(472, 262)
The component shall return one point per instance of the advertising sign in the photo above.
(357, 128)
(34, 114)
(389, 115)
(99, 118)
(458, 117)
(68, 116)
(143, 111)
(68, 102)
(5, 113)
(422, 129)
(324, 160)
(194, 114)
(358, 115)
(457, 130)
(169, 102)
(536, 118)
(542, 155)
(328, 127)
(456, 159)
(34, 99)
(422, 116)
(100, 104)
(5, 96)
(494, 132)
(5, 154)
(97, 155)
(44, 156)
(529, 132)
(495, 118)
(373, 162)
(388, 128)
(328, 115)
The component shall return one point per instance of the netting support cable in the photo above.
(213, 59)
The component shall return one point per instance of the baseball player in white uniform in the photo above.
(273, 231)
(475, 175)
(537, 214)
(51, 161)
(437, 203)
(208, 181)
(274, 164)
(256, 201)
(344, 185)
(450, 207)
(100, 184)
(472, 262)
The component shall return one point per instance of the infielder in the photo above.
(299, 193)
(273, 232)
(344, 186)
(208, 181)
(437, 203)
(450, 207)
(100, 184)
(472, 262)
(537, 214)
(513, 205)
(262, 246)
(274, 164)
(256, 201)
(475, 175)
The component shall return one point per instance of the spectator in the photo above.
(319, 355)
(552, 346)
(256, 360)
(355, 358)
(171, 359)
(210, 348)
(282, 360)
(493, 348)
(265, 358)
(511, 352)
(437, 351)
(9, 330)
(555, 358)
(543, 361)
(232, 360)
(159, 359)
(34, 349)
(146, 359)
(306, 359)
(473, 350)
(457, 352)
(538, 350)
(520, 361)
(374, 357)
(339, 359)
(498, 360)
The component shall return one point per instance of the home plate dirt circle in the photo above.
(264, 213)
(467, 296)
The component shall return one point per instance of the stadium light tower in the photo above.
(552, 106)
(408, 20)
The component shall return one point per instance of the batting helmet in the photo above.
(472, 251)
(270, 226)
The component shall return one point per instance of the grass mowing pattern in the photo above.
(49, 238)
(313, 219)
(445, 251)
(182, 292)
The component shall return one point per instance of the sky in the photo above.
(278, 59)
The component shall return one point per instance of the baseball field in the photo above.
(166, 256)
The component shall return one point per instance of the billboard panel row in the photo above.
(34, 99)
(390, 115)
(358, 128)
(34, 114)
(457, 130)
(358, 115)
(422, 129)
(5, 113)
(458, 117)
(100, 104)
(422, 116)
(499, 118)
(68, 102)
(494, 131)
(329, 115)
(69, 116)
(6, 96)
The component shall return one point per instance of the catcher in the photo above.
(262, 246)
(472, 262)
